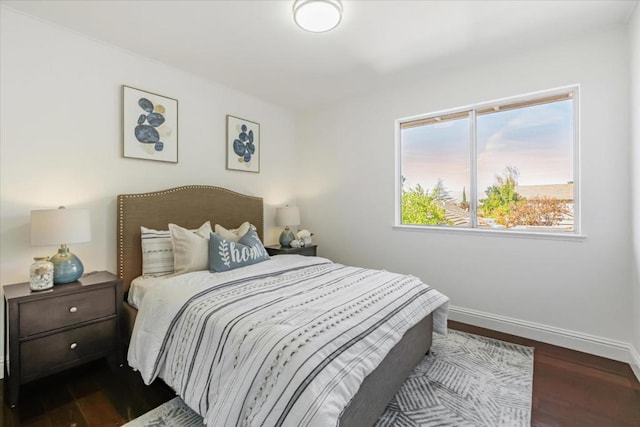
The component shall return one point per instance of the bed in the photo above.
(190, 206)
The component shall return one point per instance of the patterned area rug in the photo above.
(466, 380)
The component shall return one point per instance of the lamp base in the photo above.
(67, 267)
(286, 237)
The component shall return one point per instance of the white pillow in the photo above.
(190, 250)
(235, 234)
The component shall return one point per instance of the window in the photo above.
(508, 164)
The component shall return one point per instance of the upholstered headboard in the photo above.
(187, 206)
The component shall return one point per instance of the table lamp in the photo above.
(286, 216)
(61, 226)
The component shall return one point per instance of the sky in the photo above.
(537, 140)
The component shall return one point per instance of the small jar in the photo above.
(41, 276)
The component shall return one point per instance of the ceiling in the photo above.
(255, 47)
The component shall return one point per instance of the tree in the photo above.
(464, 204)
(508, 208)
(440, 192)
(537, 211)
(501, 196)
(420, 207)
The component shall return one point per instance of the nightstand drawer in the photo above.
(54, 352)
(53, 313)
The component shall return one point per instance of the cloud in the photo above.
(540, 127)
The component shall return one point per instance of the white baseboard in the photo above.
(1, 368)
(635, 361)
(600, 346)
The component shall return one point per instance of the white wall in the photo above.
(61, 138)
(634, 37)
(573, 293)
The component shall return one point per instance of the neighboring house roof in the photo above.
(458, 216)
(554, 191)
(455, 214)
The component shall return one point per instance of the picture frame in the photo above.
(149, 125)
(243, 145)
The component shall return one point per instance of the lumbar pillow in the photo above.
(233, 235)
(190, 250)
(226, 255)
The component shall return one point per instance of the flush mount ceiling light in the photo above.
(317, 16)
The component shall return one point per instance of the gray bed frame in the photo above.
(190, 206)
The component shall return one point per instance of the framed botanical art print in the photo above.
(149, 125)
(243, 145)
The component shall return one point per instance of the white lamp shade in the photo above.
(288, 215)
(317, 16)
(51, 227)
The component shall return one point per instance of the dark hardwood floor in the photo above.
(569, 389)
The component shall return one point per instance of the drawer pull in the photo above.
(73, 346)
(73, 309)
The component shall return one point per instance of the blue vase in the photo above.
(286, 238)
(67, 267)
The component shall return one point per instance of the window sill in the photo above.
(572, 237)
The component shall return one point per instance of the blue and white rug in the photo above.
(466, 380)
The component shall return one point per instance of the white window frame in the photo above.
(564, 235)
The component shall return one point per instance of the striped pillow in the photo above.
(157, 251)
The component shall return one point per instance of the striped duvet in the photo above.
(286, 342)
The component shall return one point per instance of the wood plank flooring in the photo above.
(569, 389)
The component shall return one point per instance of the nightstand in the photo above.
(279, 250)
(68, 325)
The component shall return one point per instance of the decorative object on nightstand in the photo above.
(41, 274)
(303, 238)
(280, 250)
(287, 216)
(61, 226)
(48, 332)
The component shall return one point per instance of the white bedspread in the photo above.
(284, 342)
(139, 287)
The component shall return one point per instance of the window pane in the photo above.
(525, 167)
(435, 170)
